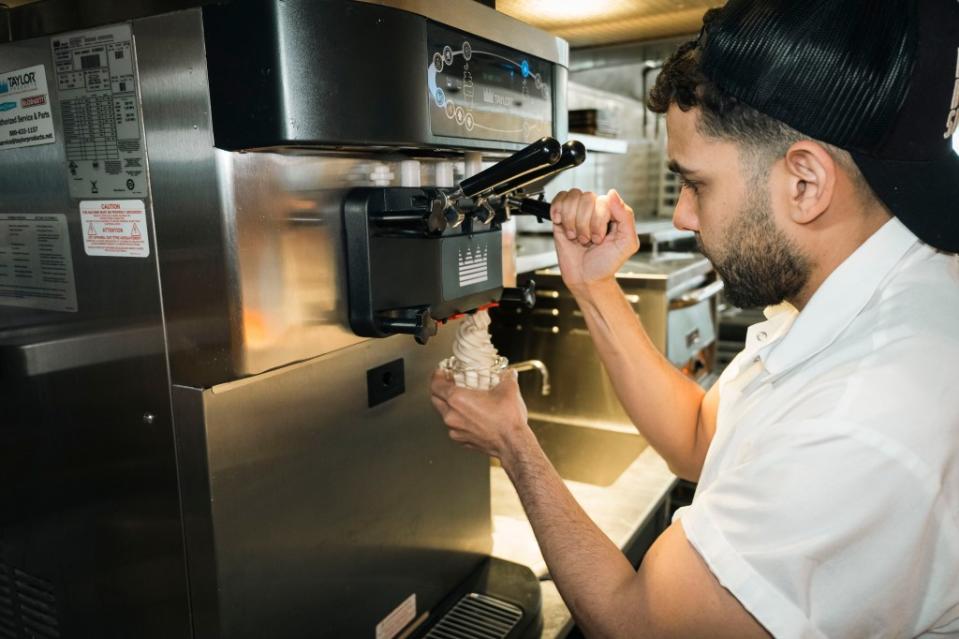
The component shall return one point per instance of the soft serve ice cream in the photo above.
(475, 362)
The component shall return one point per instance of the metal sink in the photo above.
(586, 453)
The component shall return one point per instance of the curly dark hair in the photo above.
(682, 82)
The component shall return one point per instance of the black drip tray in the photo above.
(500, 600)
(477, 616)
(588, 454)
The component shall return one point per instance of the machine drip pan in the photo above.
(500, 600)
(477, 616)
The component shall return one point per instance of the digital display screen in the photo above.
(481, 90)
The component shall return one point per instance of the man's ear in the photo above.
(811, 180)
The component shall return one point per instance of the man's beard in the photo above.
(757, 262)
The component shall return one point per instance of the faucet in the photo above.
(534, 365)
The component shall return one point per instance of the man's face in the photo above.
(727, 202)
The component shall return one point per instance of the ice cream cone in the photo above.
(475, 378)
(475, 364)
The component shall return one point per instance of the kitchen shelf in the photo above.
(601, 145)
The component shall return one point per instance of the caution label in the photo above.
(115, 228)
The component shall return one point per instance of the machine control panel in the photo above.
(485, 91)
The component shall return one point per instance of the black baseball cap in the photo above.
(878, 78)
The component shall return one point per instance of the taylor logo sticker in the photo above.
(18, 82)
(953, 120)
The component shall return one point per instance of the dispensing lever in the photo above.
(573, 154)
(529, 206)
(525, 295)
(542, 153)
(419, 323)
(537, 208)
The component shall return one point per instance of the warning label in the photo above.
(36, 267)
(115, 228)
(25, 118)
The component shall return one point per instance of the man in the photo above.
(812, 138)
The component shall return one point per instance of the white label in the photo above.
(25, 117)
(115, 228)
(398, 619)
(36, 267)
(96, 82)
(473, 266)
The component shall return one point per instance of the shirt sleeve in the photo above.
(825, 530)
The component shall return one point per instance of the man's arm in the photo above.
(674, 594)
(670, 410)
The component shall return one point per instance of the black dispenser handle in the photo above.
(525, 295)
(537, 208)
(573, 154)
(542, 153)
(418, 323)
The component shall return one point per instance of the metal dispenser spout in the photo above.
(534, 365)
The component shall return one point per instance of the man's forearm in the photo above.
(591, 573)
(662, 402)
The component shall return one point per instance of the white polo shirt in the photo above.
(829, 500)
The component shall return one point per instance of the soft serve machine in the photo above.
(219, 227)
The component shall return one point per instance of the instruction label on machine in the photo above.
(115, 228)
(25, 117)
(96, 79)
(36, 267)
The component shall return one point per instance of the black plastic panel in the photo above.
(392, 269)
(302, 72)
(385, 382)
(335, 74)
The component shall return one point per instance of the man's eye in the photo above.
(687, 184)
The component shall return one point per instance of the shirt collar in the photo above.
(759, 337)
(841, 297)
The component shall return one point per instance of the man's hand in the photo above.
(493, 422)
(587, 253)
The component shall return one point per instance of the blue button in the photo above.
(439, 97)
(524, 67)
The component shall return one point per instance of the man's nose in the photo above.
(685, 217)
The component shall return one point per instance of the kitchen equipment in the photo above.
(674, 294)
(539, 367)
(601, 122)
(196, 439)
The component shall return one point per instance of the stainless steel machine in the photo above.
(674, 293)
(204, 431)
